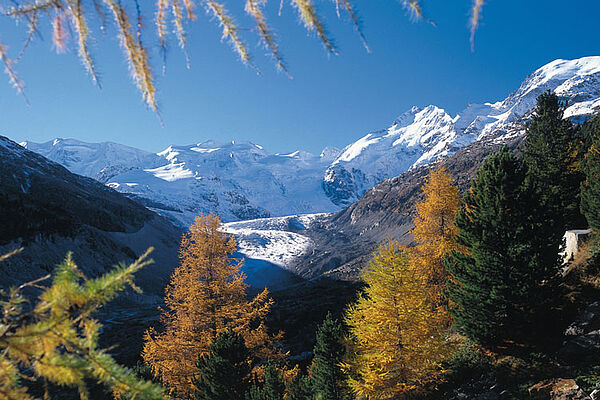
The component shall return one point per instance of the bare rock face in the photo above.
(557, 389)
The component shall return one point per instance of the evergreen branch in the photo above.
(312, 21)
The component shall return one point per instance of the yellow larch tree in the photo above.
(435, 231)
(206, 295)
(397, 334)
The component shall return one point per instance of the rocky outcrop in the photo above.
(557, 389)
(582, 344)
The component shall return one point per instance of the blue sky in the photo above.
(330, 100)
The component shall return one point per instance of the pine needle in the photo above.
(190, 6)
(253, 8)
(31, 31)
(475, 17)
(355, 20)
(14, 79)
(230, 30)
(311, 20)
(415, 10)
(180, 31)
(161, 29)
(137, 56)
(60, 32)
(77, 14)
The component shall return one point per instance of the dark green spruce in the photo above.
(273, 387)
(223, 372)
(502, 286)
(590, 187)
(328, 380)
(554, 149)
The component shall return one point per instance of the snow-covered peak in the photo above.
(577, 82)
(96, 160)
(330, 153)
(420, 136)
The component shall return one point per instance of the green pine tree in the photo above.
(328, 380)
(590, 187)
(272, 388)
(223, 372)
(299, 388)
(554, 149)
(501, 285)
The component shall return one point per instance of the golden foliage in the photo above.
(206, 296)
(56, 340)
(435, 231)
(397, 333)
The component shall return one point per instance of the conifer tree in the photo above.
(272, 386)
(502, 284)
(552, 155)
(223, 373)
(298, 386)
(398, 335)
(435, 230)
(206, 296)
(590, 187)
(56, 339)
(329, 382)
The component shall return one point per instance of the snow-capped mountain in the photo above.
(236, 180)
(240, 180)
(421, 136)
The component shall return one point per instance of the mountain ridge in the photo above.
(242, 181)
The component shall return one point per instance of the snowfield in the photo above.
(278, 241)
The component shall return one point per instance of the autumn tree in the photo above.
(206, 296)
(398, 335)
(435, 231)
(55, 340)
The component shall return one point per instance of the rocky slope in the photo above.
(48, 210)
